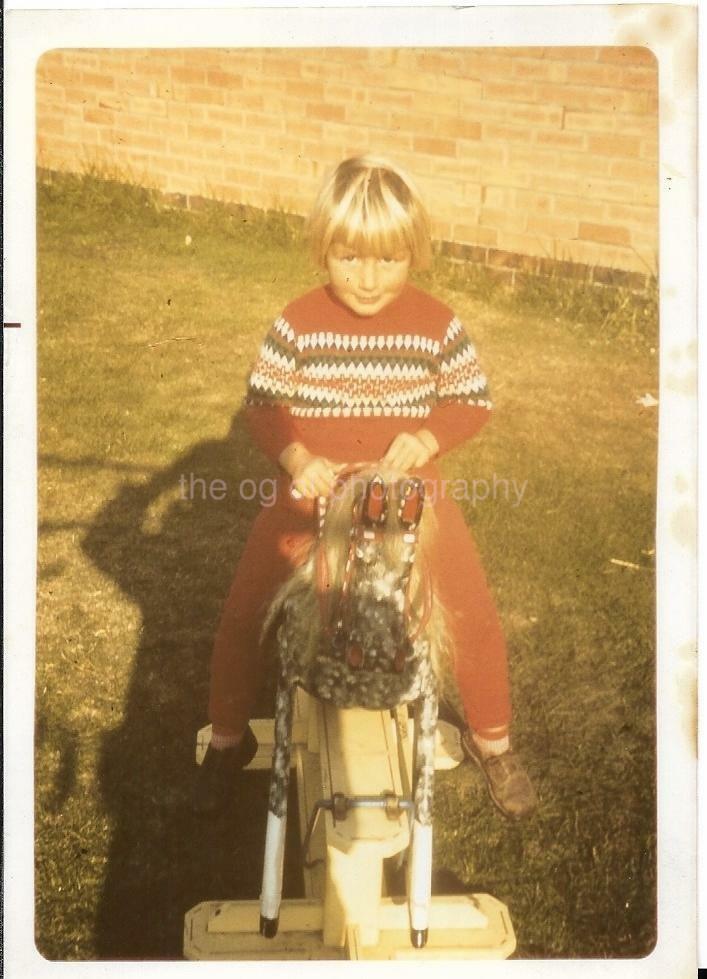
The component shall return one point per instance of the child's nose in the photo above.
(369, 274)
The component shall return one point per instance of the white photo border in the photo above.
(29, 34)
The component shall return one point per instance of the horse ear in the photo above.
(412, 501)
(375, 503)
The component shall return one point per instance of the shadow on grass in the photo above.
(162, 859)
(61, 735)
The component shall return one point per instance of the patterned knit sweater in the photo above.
(345, 385)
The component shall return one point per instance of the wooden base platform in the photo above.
(461, 927)
(345, 913)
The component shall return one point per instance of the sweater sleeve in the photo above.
(463, 403)
(271, 391)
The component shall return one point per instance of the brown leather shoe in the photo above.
(508, 783)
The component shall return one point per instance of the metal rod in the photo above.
(340, 805)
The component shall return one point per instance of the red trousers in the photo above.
(278, 542)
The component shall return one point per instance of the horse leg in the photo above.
(271, 893)
(420, 882)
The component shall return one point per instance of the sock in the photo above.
(491, 746)
(219, 742)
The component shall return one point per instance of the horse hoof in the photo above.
(418, 937)
(268, 926)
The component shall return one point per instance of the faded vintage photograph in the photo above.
(347, 461)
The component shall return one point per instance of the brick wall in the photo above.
(527, 156)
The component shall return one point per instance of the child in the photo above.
(365, 368)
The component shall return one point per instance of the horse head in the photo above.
(357, 622)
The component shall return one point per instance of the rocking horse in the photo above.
(360, 641)
(356, 626)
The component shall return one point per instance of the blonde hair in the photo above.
(301, 590)
(372, 206)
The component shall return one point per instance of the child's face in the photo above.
(365, 283)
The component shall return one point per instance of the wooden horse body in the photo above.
(356, 627)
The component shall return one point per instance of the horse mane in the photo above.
(313, 597)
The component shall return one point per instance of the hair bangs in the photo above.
(371, 207)
(371, 220)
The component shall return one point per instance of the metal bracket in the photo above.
(339, 806)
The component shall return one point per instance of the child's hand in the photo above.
(316, 477)
(408, 451)
(312, 476)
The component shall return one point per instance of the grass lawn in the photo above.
(144, 346)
